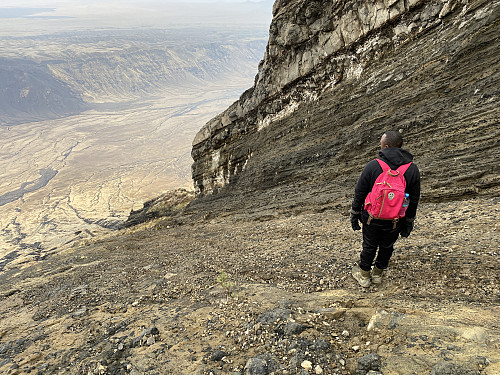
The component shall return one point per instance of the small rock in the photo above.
(80, 312)
(218, 355)
(318, 370)
(367, 363)
(293, 328)
(382, 319)
(307, 365)
(331, 313)
(43, 366)
(272, 316)
(475, 334)
(261, 365)
(355, 348)
(321, 345)
(120, 346)
(141, 339)
(345, 333)
(150, 341)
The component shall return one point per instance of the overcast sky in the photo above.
(85, 14)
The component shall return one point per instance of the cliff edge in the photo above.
(335, 76)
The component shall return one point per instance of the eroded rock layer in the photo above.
(335, 76)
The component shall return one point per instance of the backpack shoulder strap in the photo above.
(403, 168)
(385, 167)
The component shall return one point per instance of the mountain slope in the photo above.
(30, 92)
(332, 81)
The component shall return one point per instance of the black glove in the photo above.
(355, 218)
(406, 226)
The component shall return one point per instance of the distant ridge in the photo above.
(70, 72)
(30, 92)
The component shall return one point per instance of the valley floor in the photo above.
(75, 177)
(214, 296)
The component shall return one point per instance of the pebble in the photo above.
(218, 355)
(307, 365)
(318, 370)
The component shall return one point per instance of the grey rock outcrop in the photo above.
(335, 75)
(261, 365)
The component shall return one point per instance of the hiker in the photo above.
(383, 224)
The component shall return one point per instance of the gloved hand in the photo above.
(406, 226)
(355, 218)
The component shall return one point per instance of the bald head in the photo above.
(391, 139)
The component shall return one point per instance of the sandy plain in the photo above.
(103, 163)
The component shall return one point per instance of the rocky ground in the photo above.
(231, 296)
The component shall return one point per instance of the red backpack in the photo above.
(385, 201)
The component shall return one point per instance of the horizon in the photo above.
(52, 16)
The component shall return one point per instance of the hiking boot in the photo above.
(361, 276)
(377, 275)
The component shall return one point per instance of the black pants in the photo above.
(381, 235)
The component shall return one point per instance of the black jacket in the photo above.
(394, 157)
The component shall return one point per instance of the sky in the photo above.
(62, 15)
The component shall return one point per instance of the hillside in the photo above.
(148, 301)
(333, 81)
(252, 275)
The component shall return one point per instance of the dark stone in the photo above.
(321, 345)
(296, 360)
(261, 365)
(302, 344)
(270, 317)
(4, 348)
(293, 328)
(369, 362)
(218, 355)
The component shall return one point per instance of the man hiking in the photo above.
(381, 204)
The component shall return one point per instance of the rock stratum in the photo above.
(335, 76)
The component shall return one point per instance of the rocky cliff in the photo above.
(335, 75)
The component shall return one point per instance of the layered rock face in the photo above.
(335, 76)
